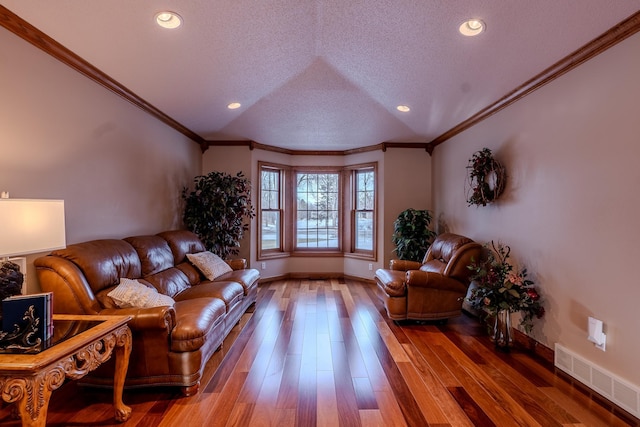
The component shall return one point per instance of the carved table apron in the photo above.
(29, 379)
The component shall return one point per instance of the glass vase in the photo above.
(502, 330)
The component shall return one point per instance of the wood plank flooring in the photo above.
(323, 353)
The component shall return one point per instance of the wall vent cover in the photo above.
(617, 390)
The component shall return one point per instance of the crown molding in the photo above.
(31, 34)
(613, 36)
(428, 147)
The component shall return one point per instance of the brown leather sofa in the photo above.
(433, 289)
(171, 344)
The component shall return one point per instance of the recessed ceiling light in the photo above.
(168, 19)
(472, 27)
(234, 106)
(403, 108)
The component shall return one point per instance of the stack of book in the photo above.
(27, 323)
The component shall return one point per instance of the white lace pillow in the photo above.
(210, 264)
(131, 293)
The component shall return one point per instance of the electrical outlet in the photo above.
(370, 267)
(264, 265)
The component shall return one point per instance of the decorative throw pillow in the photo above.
(210, 264)
(131, 293)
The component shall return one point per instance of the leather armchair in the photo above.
(433, 289)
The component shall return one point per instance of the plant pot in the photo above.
(502, 330)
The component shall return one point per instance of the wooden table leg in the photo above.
(122, 353)
(31, 395)
(28, 416)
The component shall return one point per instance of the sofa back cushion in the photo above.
(157, 260)
(169, 282)
(154, 253)
(450, 254)
(182, 242)
(103, 262)
(445, 246)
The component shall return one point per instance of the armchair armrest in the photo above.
(428, 279)
(237, 264)
(404, 265)
(146, 318)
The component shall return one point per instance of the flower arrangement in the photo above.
(486, 178)
(501, 287)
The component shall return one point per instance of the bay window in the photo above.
(317, 211)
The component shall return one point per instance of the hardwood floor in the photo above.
(322, 353)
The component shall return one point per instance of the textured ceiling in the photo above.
(322, 74)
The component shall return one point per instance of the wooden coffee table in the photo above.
(80, 344)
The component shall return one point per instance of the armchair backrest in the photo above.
(450, 254)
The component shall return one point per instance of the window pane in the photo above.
(317, 210)
(270, 229)
(364, 190)
(270, 214)
(364, 231)
(270, 191)
(365, 202)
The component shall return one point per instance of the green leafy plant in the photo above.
(216, 210)
(411, 234)
(500, 286)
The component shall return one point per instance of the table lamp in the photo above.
(27, 227)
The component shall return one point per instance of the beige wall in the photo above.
(404, 181)
(119, 170)
(571, 206)
(407, 184)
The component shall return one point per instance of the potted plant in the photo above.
(411, 234)
(503, 289)
(216, 210)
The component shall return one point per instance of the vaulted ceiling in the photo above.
(322, 74)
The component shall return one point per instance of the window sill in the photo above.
(362, 256)
(273, 255)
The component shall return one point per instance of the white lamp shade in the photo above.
(31, 226)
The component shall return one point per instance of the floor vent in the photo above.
(618, 391)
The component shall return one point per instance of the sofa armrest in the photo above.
(163, 317)
(237, 264)
(404, 265)
(428, 279)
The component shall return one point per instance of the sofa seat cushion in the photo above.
(434, 266)
(392, 282)
(229, 292)
(247, 278)
(196, 321)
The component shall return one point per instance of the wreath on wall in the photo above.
(486, 178)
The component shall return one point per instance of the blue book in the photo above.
(27, 324)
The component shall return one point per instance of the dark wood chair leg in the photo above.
(190, 390)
